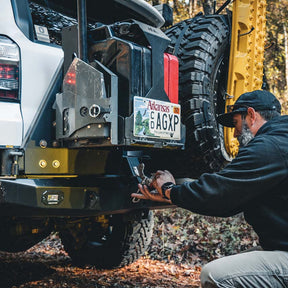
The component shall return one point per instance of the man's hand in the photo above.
(159, 179)
(149, 195)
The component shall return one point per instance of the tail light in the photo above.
(9, 69)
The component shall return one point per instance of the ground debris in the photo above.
(143, 273)
(181, 244)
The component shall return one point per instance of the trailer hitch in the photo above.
(137, 169)
(145, 180)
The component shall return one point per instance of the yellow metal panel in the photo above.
(246, 56)
(64, 161)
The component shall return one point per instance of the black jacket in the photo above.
(255, 182)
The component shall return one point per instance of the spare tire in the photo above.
(202, 47)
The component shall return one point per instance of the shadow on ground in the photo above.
(20, 272)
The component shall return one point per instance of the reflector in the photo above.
(171, 85)
(71, 78)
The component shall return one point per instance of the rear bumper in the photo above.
(69, 197)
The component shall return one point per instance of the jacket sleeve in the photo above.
(258, 169)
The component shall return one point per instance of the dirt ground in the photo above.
(182, 243)
(48, 265)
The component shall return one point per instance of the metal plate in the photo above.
(156, 119)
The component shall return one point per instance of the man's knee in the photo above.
(217, 274)
(210, 274)
(251, 269)
(205, 275)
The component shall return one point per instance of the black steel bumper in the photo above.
(69, 197)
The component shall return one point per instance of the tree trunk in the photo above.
(175, 6)
(207, 6)
(191, 2)
(155, 2)
(194, 5)
(286, 54)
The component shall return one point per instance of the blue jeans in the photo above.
(257, 269)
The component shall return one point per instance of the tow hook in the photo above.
(145, 180)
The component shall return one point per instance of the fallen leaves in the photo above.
(186, 238)
(182, 243)
(143, 273)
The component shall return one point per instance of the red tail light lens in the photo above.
(9, 69)
(171, 75)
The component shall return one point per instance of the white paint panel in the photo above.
(39, 64)
(10, 124)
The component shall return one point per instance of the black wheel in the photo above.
(202, 47)
(122, 241)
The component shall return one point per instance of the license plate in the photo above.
(156, 119)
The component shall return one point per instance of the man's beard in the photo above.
(246, 135)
